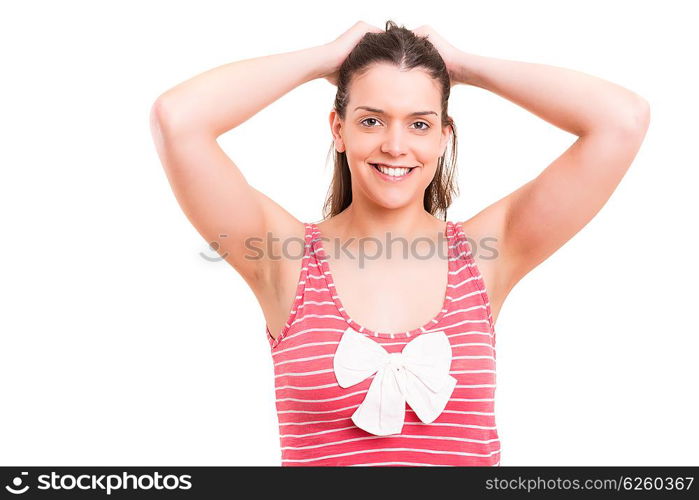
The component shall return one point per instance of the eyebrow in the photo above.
(382, 112)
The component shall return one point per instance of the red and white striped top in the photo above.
(314, 412)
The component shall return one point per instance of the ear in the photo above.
(336, 130)
(446, 136)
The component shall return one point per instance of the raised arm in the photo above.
(186, 122)
(534, 221)
(610, 121)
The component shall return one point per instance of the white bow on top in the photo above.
(419, 375)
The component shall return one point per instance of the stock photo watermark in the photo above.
(361, 249)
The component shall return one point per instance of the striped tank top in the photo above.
(315, 413)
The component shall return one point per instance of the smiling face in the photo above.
(392, 118)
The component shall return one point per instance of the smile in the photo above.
(391, 174)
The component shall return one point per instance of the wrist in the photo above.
(326, 60)
(465, 68)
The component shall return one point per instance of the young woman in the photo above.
(386, 358)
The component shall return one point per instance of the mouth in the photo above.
(392, 174)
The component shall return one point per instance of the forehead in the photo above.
(396, 91)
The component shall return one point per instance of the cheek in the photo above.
(430, 171)
(361, 147)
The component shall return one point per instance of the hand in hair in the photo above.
(343, 45)
(448, 52)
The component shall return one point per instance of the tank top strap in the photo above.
(460, 247)
(467, 268)
(294, 314)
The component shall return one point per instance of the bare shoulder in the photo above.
(485, 232)
(281, 248)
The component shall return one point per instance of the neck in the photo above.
(408, 222)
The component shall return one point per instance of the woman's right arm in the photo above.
(222, 98)
(186, 122)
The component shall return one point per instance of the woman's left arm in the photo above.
(573, 101)
(610, 121)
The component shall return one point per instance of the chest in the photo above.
(393, 295)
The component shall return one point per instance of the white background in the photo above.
(121, 345)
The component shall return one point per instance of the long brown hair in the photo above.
(403, 48)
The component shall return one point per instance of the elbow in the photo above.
(158, 120)
(631, 131)
(631, 121)
(637, 118)
(166, 115)
(641, 116)
(164, 120)
(159, 111)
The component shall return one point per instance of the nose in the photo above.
(395, 142)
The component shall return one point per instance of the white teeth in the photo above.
(394, 172)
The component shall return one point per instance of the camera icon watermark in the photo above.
(17, 488)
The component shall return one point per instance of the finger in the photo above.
(423, 33)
